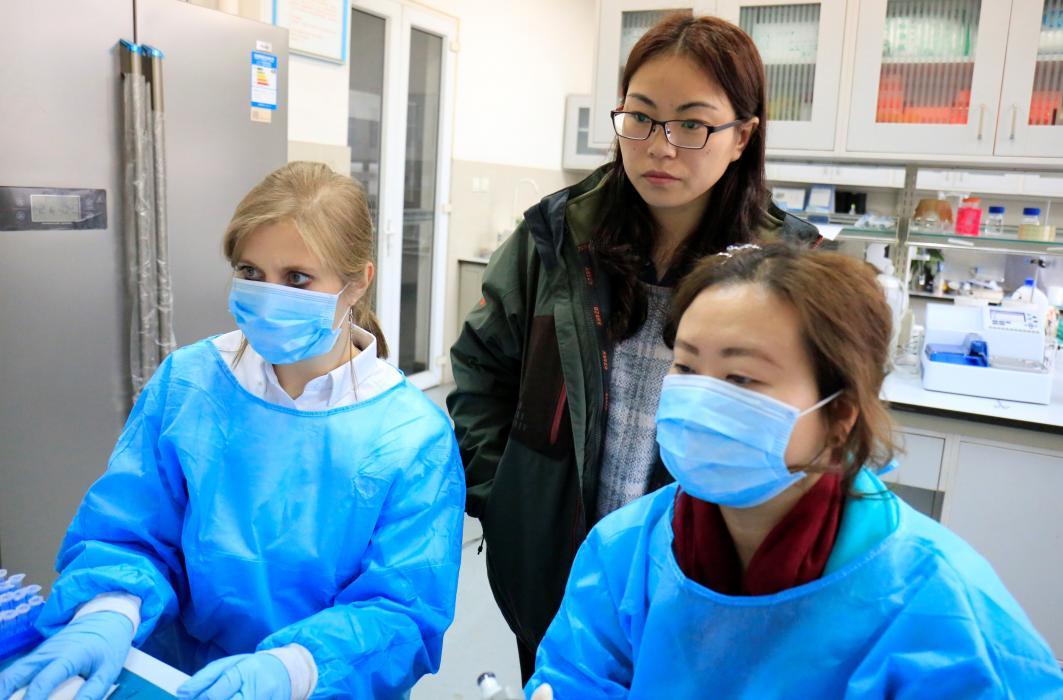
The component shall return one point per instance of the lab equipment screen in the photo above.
(55, 208)
(1008, 317)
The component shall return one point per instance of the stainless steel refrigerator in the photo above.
(64, 338)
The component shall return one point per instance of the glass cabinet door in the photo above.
(621, 23)
(800, 43)
(1031, 119)
(927, 76)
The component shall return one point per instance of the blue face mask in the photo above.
(725, 444)
(284, 324)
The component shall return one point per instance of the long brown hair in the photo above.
(845, 326)
(737, 201)
(331, 214)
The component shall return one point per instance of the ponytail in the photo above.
(365, 318)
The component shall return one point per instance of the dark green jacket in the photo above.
(528, 408)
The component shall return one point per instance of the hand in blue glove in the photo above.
(93, 647)
(261, 676)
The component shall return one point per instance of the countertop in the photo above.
(903, 389)
(474, 260)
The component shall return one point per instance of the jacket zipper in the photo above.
(577, 524)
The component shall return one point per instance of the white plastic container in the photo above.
(1030, 294)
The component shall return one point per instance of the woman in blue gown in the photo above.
(779, 565)
(283, 506)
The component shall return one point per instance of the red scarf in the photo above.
(794, 552)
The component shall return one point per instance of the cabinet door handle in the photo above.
(1014, 119)
(981, 121)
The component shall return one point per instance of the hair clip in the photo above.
(732, 249)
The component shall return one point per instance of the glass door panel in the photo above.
(419, 201)
(787, 37)
(1046, 102)
(633, 25)
(928, 54)
(927, 76)
(621, 23)
(364, 132)
(801, 43)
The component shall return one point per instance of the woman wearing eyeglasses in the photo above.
(559, 368)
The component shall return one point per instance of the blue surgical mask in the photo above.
(284, 324)
(725, 444)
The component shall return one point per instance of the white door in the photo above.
(401, 101)
(1031, 101)
(927, 76)
(800, 43)
(621, 23)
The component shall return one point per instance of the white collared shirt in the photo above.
(372, 376)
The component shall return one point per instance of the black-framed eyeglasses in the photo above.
(681, 133)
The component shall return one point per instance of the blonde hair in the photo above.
(331, 214)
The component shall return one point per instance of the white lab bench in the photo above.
(995, 469)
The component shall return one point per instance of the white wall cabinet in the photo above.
(1005, 503)
(829, 174)
(927, 76)
(1031, 97)
(956, 81)
(621, 23)
(801, 45)
(935, 77)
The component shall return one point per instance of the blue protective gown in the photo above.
(915, 613)
(243, 525)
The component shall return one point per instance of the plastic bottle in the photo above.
(994, 221)
(1030, 294)
(1031, 228)
(491, 689)
(969, 216)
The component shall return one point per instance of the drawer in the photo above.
(919, 461)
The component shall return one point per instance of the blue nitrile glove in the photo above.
(94, 647)
(262, 676)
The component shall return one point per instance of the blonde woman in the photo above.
(283, 507)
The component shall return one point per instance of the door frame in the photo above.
(400, 20)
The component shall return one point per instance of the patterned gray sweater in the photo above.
(639, 366)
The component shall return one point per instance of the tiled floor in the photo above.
(479, 640)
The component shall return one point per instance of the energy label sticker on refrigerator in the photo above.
(263, 80)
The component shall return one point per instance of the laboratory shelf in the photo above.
(874, 235)
(988, 244)
(927, 239)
